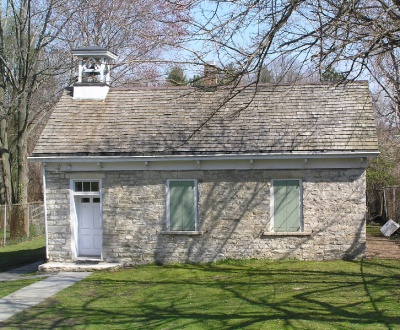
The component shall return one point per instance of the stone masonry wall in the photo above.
(58, 217)
(233, 213)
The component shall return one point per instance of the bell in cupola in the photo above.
(94, 64)
(93, 72)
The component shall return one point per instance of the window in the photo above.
(182, 205)
(286, 206)
(86, 186)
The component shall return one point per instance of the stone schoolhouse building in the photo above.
(186, 174)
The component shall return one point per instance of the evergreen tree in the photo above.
(331, 75)
(176, 77)
(266, 75)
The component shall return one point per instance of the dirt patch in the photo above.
(383, 247)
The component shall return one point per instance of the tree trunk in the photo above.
(19, 219)
(19, 216)
(2, 188)
(6, 190)
(5, 162)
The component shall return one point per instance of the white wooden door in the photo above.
(89, 226)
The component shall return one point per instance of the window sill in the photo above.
(284, 233)
(187, 233)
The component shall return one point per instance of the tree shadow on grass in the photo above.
(285, 294)
(14, 259)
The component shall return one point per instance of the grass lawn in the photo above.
(11, 286)
(12, 256)
(228, 295)
(374, 230)
(2, 234)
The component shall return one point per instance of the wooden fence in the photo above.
(384, 204)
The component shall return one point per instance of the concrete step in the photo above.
(80, 266)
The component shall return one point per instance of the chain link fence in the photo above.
(19, 222)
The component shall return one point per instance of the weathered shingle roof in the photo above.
(168, 121)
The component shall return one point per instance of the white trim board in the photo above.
(220, 157)
(206, 164)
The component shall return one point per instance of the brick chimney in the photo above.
(210, 74)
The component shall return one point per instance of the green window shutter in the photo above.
(279, 206)
(293, 206)
(182, 205)
(286, 205)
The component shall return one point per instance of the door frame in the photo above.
(74, 216)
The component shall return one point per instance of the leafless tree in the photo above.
(362, 38)
(244, 34)
(355, 39)
(140, 32)
(26, 29)
(35, 62)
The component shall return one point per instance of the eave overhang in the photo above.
(219, 157)
(281, 161)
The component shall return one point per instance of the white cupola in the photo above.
(93, 72)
